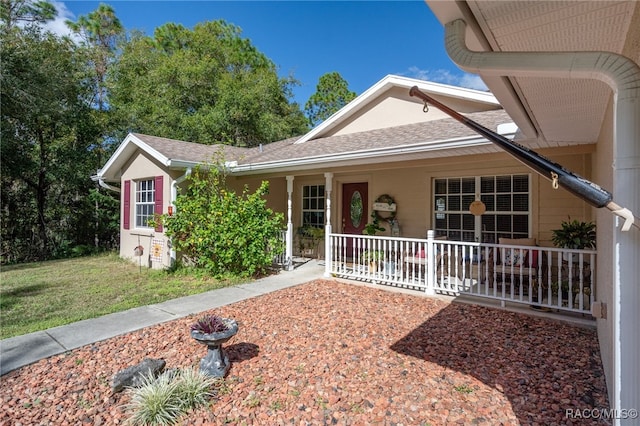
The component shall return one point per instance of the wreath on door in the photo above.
(390, 215)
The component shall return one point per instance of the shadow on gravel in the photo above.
(242, 351)
(543, 367)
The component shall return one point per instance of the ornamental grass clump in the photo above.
(209, 324)
(163, 400)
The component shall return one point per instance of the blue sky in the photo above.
(362, 40)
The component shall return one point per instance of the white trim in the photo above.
(128, 146)
(455, 143)
(387, 83)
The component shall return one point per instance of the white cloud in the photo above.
(473, 81)
(470, 81)
(58, 26)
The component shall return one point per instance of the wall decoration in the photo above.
(477, 208)
(156, 250)
(385, 208)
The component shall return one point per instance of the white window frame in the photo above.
(145, 202)
(441, 210)
(313, 204)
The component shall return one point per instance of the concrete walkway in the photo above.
(19, 351)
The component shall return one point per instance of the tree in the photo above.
(205, 85)
(332, 93)
(46, 134)
(221, 231)
(28, 11)
(100, 30)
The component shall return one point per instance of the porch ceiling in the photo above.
(560, 111)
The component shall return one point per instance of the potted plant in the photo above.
(309, 239)
(373, 258)
(574, 234)
(373, 227)
(213, 331)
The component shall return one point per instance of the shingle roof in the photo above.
(187, 151)
(406, 135)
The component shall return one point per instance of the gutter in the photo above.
(623, 76)
(103, 184)
(174, 196)
(321, 160)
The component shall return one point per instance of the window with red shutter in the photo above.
(126, 202)
(158, 199)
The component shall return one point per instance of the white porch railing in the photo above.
(281, 260)
(545, 277)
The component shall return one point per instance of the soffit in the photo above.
(564, 111)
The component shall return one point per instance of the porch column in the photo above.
(289, 239)
(431, 263)
(328, 181)
(626, 246)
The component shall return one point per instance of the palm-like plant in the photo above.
(575, 234)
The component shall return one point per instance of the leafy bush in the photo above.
(224, 232)
(163, 400)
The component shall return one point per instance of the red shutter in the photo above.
(126, 202)
(159, 190)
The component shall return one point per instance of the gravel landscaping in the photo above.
(329, 352)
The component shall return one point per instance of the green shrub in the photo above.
(162, 400)
(224, 232)
(156, 402)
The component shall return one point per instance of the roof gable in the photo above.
(388, 104)
(382, 122)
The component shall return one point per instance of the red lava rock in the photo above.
(329, 352)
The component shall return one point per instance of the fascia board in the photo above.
(397, 81)
(181, 164)
(331, 159)
(124, 151)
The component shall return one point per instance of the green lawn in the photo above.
(37, 296)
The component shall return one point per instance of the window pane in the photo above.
(507, 195)
(466, 201)
(489, 202)
(503, 203)
(487, 184)
(521, 183)
(356, 209)
(503, 183)
(520, 202)
(469, 185)
(503, 223)
(521, 224)
(313, 205)
(454, 186)
(441, 186)
(454, 203)
(455, 221)
(468, 222)
(145, 202)
(489, 222)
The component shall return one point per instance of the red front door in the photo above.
(355, 207)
